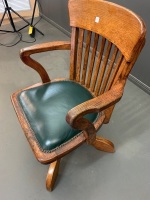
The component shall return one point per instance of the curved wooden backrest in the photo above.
(119, 25)
(106, 40)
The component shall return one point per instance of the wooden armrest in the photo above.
(26, 52)
(75, 116)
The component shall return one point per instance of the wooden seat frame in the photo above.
(101, 64)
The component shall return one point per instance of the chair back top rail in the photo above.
(119, 25)
(106, 40)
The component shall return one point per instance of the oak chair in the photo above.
(59, 115)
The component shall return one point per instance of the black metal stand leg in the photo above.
(3, 17)
(33, 13)
(7, 9)
(10, 19)
(25, 21)
(33, 18)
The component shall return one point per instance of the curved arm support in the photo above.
(25, 54)
(75, 116)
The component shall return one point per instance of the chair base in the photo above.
(103, 144)
(100, 143)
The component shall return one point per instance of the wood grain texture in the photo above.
(98, 63)
(114, 73)
(98, 104)
(103, 144)
(86, 56)
(93, 56)
(52, 175)
(104, 46)
(73, 52)
(103, 68)
(25, 54)
(109, 70)
(130, 28)
(48, 157)
(79, 54)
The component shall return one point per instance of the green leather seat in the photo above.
(45, 108)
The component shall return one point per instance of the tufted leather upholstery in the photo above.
(45, 108)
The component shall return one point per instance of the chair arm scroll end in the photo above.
(75, 116)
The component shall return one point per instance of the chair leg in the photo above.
(108, 113)
(52, 175)
(103, 144)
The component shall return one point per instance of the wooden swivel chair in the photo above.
(59, 115)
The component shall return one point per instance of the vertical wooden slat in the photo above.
(100, 55)
(119, 61)
(128, 68)
(87, 48)
(79, 54)
(96, 37)
(109, 70)
(123, 65)
(73, 52)
(104, 65)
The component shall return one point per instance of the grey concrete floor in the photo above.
(85, 173)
